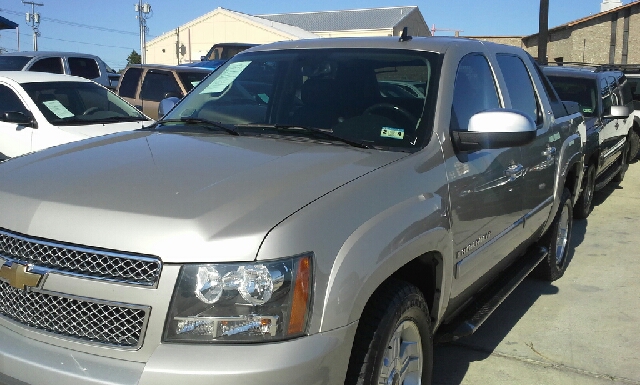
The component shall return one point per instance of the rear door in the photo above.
(539, 157)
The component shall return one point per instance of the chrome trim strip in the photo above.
(615, 148)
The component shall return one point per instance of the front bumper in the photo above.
(318, 359)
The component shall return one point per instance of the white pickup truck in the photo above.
(314, 212)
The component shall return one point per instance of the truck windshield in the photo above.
(579, 90)
(376, 97)
(13, 63)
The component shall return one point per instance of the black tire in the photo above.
(397, 312)
(624, 163)
(634, 143)
(557, 240)
(583, 206)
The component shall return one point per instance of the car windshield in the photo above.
(191, 79)
(80, 103)
(580, 90)
(375, 97)
(13, 63)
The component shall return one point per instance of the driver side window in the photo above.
(474, 91)
(10, 102)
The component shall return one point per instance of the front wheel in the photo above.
(393, 343)
(557, 240)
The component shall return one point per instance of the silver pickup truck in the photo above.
(313, 212)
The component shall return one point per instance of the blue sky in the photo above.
(109, 29)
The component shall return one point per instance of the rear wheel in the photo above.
(557, 240)
(393, 343)
(583, 206)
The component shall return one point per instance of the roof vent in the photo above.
(405, 35)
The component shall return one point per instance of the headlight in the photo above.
(246, 302)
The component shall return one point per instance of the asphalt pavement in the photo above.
(582, 329)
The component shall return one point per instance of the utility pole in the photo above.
(34, 18)
(543, 32)
(143, 11)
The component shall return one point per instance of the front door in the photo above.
(15, 139)
(485, 186)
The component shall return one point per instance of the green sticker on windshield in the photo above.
(585, 109)
(393, 133)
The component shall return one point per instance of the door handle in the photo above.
(514, 172)
(549, 152)
(616, 125)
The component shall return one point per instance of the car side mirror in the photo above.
(617, 112)
(19, 118)
(498, 128)
(166, 105)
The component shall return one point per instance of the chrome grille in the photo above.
(77, 318)
(76, 260)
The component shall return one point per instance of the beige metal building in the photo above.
(611, 36)
(192, 40)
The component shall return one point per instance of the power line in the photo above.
(74, 24)
(81, 42)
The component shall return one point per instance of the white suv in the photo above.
(71, 63)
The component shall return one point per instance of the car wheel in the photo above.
(634, 144)
(624, 157)
(557, 240)
(393, 343)
(583, 206)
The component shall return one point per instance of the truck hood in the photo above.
(91, 130)
(181, 196)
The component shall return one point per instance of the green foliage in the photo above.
(134, 58)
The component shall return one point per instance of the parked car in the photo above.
(71, 63)
(605, 101)
(287, 223)
(145, 85)
(41, 110)
(225, 51)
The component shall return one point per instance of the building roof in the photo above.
(285, 30)
(347, 20)
(7, 24)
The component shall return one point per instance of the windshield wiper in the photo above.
(112, 119)
(315, 130)
(197, 121)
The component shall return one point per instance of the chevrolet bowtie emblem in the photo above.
(17, 276)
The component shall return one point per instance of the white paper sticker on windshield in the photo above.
(58, 109)
(224, 79)
(393, 133)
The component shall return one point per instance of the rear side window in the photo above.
(158, 83)
(50, 64)
(129, 82)
(84, 67)
(474, 91)
(518, 80)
